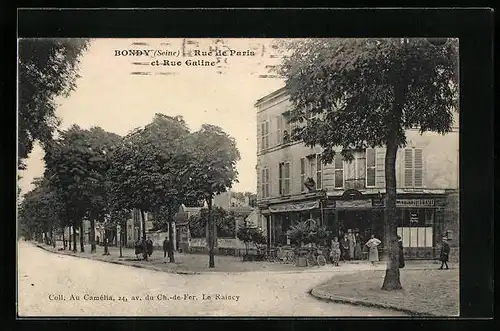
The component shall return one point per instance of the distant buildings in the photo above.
(292, 184)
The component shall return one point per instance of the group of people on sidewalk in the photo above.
(349, 248)
(343, 251)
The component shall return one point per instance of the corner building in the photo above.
(293, 185)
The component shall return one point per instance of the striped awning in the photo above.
(295, 206)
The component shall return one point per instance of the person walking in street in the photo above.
(401, 253)
(373, 246)
(335, 251)
(445, 252)
(138, 248)
(165, 247)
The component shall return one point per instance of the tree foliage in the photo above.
(307, 232)
(225, 222)
(47, 69)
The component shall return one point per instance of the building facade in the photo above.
(293, 184)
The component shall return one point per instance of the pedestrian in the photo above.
(149, 246)
(352, 243)
(358, 249)
(344, 247)
(165, 247)
(373, 246)
(138, 248)
(335, 251)
(401, 253)
(445, 252)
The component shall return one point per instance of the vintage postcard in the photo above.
(238, 177)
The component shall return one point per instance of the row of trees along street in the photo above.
(97, 175)
(367, 93)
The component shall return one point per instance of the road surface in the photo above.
(56, 285)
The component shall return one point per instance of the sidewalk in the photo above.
(198, 263)
(426, 291)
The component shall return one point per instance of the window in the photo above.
(279, 132)
(302, 174)
(264, 134)
(319, 172)
(339, 171)
(413, 167)
(370, 167)
(284, 178)
(285, 128)
(415, 227)
(265, 183)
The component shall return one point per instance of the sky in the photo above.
(110, 96)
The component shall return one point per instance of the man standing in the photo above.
(445, 252)
(401, 253)
(165, 247)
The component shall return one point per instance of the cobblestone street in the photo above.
(59, 285)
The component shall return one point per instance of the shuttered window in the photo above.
(370, 167)
(265, 183)
(339, 171)
(302, 174)
(413, 167)
(284, 178)
(319, 172)
(264, 135)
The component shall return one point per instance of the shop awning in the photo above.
(295, 206)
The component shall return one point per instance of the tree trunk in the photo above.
(122, 230)
(170, 236)
(64, 237)
(92, 235)
(391, 280)
(144, 246)
(69, 237)
(106, 249)
(211, 235)
(82, 247)
(74, 239)
(52, 234)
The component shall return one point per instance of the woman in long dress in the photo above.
(373, 246)
(335, 252)
(352, 244)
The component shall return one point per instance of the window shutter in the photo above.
(259, 136)
(279, 131)
(408, 167)
(418, 167)
(380, 167)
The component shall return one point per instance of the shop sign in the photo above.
(354, 204)
(414, 203)
(329, 204)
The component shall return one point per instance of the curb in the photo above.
(322, 295)
(140, 266)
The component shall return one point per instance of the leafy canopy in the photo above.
(47, 69)
(352, 84)
(212, 165)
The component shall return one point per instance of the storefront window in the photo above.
(415, 227)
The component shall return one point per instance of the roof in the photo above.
(273, 95)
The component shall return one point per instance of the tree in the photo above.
(367, 92)
(149, 170)
(47, 69)
(212, 170)
(76, 166)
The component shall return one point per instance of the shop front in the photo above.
(419, 220)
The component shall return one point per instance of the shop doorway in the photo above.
(358, 221)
